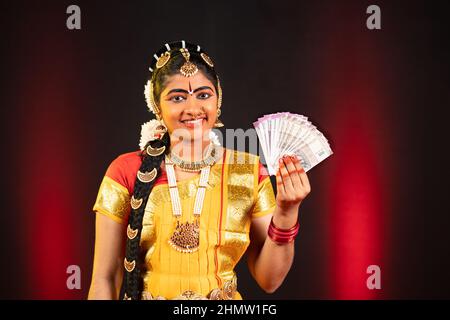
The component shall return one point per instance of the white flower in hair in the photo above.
(149, 131)
(214, 138)
(147, 96)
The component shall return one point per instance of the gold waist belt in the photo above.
(227, 292)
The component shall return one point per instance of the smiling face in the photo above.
(188, 106)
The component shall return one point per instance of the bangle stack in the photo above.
(282, 236)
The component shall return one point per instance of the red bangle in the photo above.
(282, 235)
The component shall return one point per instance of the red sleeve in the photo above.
(262, 172)
(124, 168)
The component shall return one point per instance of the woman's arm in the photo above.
(108, 259)
(268, 261)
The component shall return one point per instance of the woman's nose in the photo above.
(194, 107)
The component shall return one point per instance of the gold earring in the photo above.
(218, 123)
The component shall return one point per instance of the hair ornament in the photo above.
(154, 152)
(219, 93)
(148, 176)
(135, 203)
(207, 59)
(150, 131)
(126, 297)
(151, 104)
(129, 266)
(131, 233)
(161, 61)
(188, 69)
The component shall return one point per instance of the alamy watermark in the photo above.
(374, 280)
(73, 21)
(373, 22)
(74, 279)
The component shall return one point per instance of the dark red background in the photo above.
(73, 100)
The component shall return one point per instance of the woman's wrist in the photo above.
(285, 218)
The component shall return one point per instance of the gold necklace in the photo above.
(186, 237)
(196, 166)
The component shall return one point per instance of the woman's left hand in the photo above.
(292, 184)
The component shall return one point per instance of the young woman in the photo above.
(174, 218)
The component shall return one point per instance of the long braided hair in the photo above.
(132, 279)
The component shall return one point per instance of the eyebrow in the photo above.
(185, 91)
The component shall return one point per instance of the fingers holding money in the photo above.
(292, 182)
(284, 178)
(293, 176)
(306, 188)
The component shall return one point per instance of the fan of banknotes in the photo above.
(285, 133)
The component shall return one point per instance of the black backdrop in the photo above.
(72, 100)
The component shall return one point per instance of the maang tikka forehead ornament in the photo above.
(188, 69)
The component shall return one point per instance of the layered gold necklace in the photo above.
(186, 237)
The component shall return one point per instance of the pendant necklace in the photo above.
(186, 237)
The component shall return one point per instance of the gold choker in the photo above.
(196, 166)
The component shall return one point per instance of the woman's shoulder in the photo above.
(123, 169)
(133, 156)
(130, 161)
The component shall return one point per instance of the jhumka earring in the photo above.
(218, 123)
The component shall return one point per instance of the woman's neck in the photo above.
(189, 150)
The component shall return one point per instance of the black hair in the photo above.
(132, 281)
